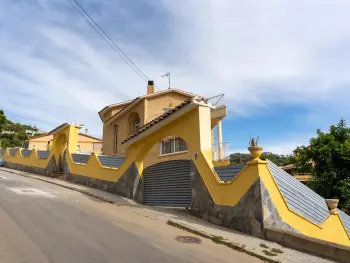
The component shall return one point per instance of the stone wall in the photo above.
(124, 186)
(246, 216)
(271, 215)
(49, 170)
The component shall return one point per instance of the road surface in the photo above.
(41, 222)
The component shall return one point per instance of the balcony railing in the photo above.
(221, 151)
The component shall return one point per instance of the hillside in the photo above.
(14, 134)
(280, 160)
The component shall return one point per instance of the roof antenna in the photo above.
(167, 75)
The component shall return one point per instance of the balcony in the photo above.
(221, 151)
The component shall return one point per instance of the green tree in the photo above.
(14, 133)
(2, 120)
(242, 158)
(330, 152)
(302, 160)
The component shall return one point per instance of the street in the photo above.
(42, 222)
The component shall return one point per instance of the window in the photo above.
(173, 145)
(135, 122)
(115, 138)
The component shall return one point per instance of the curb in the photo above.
(65, 186)
(220, 240)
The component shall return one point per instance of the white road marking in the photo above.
(31, 191)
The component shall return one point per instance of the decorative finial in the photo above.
(332, 205)
(254, 149)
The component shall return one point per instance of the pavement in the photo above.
(55, 224)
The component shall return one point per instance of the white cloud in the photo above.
(260, 54)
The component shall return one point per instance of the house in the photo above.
(86, 142)
(291, 169)
(122, 120)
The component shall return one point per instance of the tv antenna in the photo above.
(168, 76)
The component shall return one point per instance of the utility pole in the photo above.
(168, 76)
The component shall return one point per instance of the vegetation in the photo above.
(14, 134)
(253, 142)
(330, 154)
(280, 160)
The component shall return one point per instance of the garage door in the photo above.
(168, 184)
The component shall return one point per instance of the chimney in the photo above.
(150, 87)
(86, 131)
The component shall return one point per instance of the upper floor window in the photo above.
(173, 145)
(135, 122)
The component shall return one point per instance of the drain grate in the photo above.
(27, 191)
(188, 239)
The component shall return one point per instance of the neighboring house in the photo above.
(302, 177)
(86, 143)
(123, 119)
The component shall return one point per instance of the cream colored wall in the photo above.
(111, 112)
(86, 143)
(123, 129)
(148, 109)
(108, 139)
(40, 144)
(156, 105)
(85, 146)
(90, 146)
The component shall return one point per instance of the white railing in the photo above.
(221, 151)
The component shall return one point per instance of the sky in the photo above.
(282, 65)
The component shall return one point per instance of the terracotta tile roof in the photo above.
(58, 127)
(161, 92)
(38, 136)
(62, 125)
(91, 137)
(160, 118)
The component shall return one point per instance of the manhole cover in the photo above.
(27, 191)
(188, 239)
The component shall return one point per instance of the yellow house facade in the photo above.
(86, 143)
(123, 119)
(256, 199)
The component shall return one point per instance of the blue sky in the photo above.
(283, 65)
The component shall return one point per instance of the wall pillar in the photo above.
(220, 139)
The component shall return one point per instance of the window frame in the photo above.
(173, 139)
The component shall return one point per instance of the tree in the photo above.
(242, 158)
(13, 134)
(2, 120)
(330, 152)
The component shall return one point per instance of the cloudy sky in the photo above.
(283, 65)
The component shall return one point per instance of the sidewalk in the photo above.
(180, 218)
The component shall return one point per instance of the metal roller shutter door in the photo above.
(168, 184)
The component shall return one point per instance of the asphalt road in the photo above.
(41, 222)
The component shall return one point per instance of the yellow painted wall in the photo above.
(112, 112)
(331, 230)
(148, 109)
(31, 160)
(154, 156)
(123, 123)
(157, 104)
(195, 128)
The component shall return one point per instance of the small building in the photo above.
(122, 120)
(86, 143)
(291, 169)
